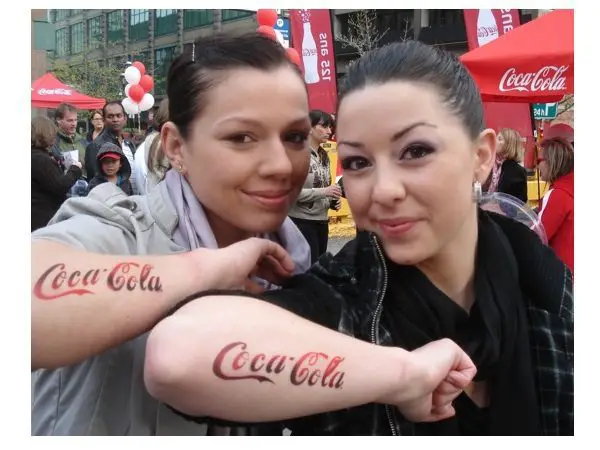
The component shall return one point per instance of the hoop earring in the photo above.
(477, 191)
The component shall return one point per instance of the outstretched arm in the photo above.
(245, 360)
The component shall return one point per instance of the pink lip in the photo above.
(395, 227)
(270, 199)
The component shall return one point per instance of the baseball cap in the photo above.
(110, 155)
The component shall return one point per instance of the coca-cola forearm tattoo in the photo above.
(233, 362)
(58, 281)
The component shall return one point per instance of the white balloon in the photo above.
(147, 102)
(127, 89)
(132, 75)
(130, 106)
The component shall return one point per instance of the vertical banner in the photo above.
(483, 26)
(312, 37)
(282, 30)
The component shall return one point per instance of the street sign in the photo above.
(544, 111)
(282, 27)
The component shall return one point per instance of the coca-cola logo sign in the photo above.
(547, 78)
(234, 362)
(58, 91)
(483, 32)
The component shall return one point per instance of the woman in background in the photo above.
(97, 122)
(49, 184)
(508, 176)
(150, 162)
(310, 212)
(557, 208)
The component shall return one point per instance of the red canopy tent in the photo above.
(533, 63)
(48, 92)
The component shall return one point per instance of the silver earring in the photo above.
(179, 168)
(477, 191)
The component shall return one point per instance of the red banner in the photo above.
(483, 26)
(312, 37)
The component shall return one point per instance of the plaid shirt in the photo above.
(345, 292)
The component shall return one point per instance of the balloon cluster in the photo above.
(137, 92)
(267, 18)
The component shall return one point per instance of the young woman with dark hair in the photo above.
(318, 195)
(427, 264)
(110, 267)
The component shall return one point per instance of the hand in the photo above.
(336, 205)
(333, 191)
(232, 267)
(76, 163)
(436, 374)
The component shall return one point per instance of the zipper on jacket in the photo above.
(377, 318)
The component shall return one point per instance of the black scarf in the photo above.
(494, 335)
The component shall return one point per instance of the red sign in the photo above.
(483, 26)
(312, 37)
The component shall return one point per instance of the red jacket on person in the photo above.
(557, 213)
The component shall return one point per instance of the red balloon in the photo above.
(267, 17)
(139, 67)
(136, 93)
(267, 31)
(147, 83)
(294, 56)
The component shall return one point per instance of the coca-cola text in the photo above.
(58, 282)
(233, 362)
(58, 91)
(547, 78)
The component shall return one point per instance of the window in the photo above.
(62, 42)
(77, 38)
(193, 18)
(439, 17)
(165, 22)
(62, 14)
(115, 25)
(138, 24)
(94, 32)
(162, 61)
(74, 12)
(233, 14)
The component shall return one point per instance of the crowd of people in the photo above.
(207, 304)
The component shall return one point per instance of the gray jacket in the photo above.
(105, 394)
(313, 203)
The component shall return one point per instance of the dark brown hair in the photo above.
(190, 77)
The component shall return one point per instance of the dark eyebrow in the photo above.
(395, 137)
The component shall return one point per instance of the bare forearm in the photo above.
(84, 303)
(245, 360)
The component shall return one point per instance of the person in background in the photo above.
(113, 167)
(114, 121)
(557, 208)
(318, 195)
(97, 125)
(68, 146)
(49, 183)
(508, 176)
(151, 164)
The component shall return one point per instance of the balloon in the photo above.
(132, 75)
(267, 17)
(267, 31)
(293, 55)
(129, 106)
(147, 102)
(127, 89)
(136, 93)
(139, 66)
(147, 83)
